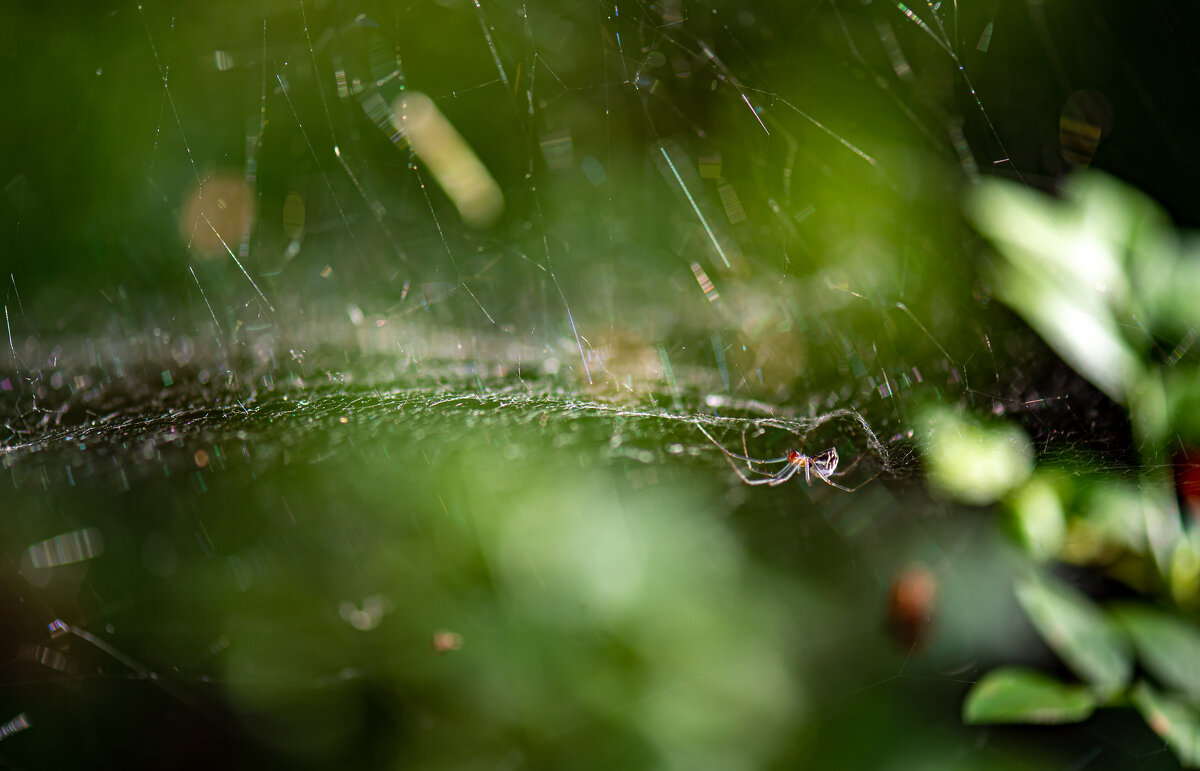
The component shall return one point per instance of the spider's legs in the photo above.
(784, 475)
(825, 478)
(776, 478)
(823, 466)
(749, 460)
(746, 457)
(852, 465)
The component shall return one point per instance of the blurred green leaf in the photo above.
(1177, 723)
(1078, 632)
(1142, 518)
(1114, 507)
(1081, 331)
(1149, 412)
(1182, 387)
(1040, 521)
(973, 463)
(1064, 241)
(1185, 569)
(1019, 695)
(1063, 271)
(1168, 647)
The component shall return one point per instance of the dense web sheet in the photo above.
(307, 331)
(152, 437)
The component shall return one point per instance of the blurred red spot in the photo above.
(911, 602)
(1187, 479)
(445, 641)
(217, 213)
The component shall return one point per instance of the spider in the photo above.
(823, 465)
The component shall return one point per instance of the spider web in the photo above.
(260, 340)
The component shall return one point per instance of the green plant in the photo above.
(1101, 275)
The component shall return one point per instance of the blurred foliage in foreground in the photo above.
(494, 580)
(1103, 277)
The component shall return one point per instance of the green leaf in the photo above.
(1169, 647)
(1019, 695)
(1078, 632)
(974, 463)
(1078, 326)
(1185, 568)
(1176, 722)
(1038, 515)
(1063, 271)
(1114, 507)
